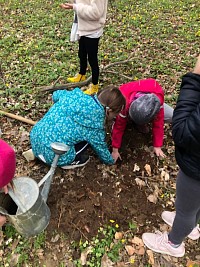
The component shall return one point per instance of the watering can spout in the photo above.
(59, 149)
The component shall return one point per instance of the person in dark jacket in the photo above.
(186, 135)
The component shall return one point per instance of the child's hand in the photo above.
(5, 188)
(67, 6)
(159, 153)
(115, 154)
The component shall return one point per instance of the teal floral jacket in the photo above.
(74, 117)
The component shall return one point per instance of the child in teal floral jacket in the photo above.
(76, 117)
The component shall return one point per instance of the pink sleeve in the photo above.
(7, 163)
(158, 129)
(118, 129)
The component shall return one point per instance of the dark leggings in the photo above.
(80, 149)
(187, 207)
(88, 50)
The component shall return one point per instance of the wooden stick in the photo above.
(17, 117)
(70, 86)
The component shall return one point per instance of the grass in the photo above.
(35, 49)
(162, 36)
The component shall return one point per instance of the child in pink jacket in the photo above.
(144, 104)
(7, 170)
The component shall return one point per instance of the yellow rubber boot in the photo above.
(77, 78)
(93, 89)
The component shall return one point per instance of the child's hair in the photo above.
(112, 98)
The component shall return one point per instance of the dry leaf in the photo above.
(106, 262)
(164, 175)
(87, 228)
(151, 257)
(156, 190)
(83, 258)
(148, 169)
(130, 250)
(139, 182)
(193, 263)
(137, 241)
(136, 167)
(152, 198)
(140, 251)
(24, 137)
(55, 238)
(118, 235)
(14, 259)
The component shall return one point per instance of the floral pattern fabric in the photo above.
(74, 117)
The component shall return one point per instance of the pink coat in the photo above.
(129, 90)
(7, 163)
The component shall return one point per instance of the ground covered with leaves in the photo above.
(99, 212)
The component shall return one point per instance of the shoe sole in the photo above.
(69, 167)
(162, 252)
(75, 82)
(70, 81)
(165, 253)
(189, 236)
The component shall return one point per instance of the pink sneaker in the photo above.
(168, 217)
(158, 242)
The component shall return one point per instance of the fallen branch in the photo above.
(70, 86)
(60, 215)
(17, 117)
(75, 226)
(119, 74)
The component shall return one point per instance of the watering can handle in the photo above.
(3, 211)
(16, 200)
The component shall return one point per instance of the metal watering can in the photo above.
(33, 214)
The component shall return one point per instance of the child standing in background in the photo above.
(91, 15)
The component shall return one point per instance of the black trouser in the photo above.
(88, 50)
(80, 149)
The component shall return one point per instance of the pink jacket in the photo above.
(7, 163)
(129, 90)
